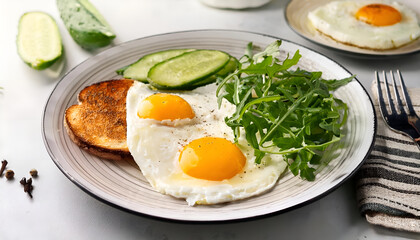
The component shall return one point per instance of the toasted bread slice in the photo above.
(98, 123)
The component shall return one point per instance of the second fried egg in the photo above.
(376, 25)
(184, 148)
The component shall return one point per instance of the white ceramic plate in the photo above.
(296, 14)
(121, 183)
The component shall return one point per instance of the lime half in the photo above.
(38, 40)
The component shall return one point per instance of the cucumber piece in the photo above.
(230, 67)
(85, 24)
(186, 69)
(139, 70)
(121, 70)
(38, 40)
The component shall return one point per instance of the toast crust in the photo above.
(97, 123)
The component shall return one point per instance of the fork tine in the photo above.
(390, 101)
(380, 95)
(396, 92)
(406, 97)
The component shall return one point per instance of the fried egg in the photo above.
(184, 149)
(376, 25)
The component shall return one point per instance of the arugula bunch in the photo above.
(282, 111)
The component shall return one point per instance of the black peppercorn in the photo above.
(33, 172)
(9, 174)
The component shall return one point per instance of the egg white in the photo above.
(156, 148)
(337, 20)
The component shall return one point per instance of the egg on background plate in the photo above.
(378, 25)
(184, 148)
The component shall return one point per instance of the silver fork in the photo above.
(401, 118)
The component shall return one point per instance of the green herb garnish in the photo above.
(282, 111)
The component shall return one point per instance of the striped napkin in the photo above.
(388, 184)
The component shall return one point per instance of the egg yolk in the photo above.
(163, 106)
(379, 15)
(211, 158)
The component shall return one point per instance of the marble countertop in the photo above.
(61, 210)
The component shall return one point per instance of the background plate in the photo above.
(296, 14)
(121, 184)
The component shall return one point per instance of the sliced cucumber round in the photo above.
(38, 40)
(186, 69)
(226, 70)
(140, 69)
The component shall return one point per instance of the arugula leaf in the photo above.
(292, 111)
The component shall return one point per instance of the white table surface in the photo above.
(60, 210)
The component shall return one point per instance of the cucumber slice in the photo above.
(139, 70)
(186, 69)
(226, 70)
(38, 40)
(85, 24)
